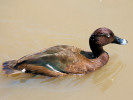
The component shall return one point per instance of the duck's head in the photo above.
(103, 36)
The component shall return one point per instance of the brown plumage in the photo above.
(62, 59)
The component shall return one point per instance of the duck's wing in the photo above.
(55, 59)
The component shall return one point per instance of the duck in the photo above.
(62, 60)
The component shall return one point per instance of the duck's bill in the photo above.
(118, 40)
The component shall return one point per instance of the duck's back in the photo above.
(54, 61)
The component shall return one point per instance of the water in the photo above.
(30, 26)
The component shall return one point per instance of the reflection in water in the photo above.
(67, 83)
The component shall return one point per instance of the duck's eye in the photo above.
(108, 36)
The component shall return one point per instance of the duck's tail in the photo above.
(8, 66)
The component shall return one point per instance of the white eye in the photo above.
(108, 36)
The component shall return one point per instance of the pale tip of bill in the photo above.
(124, 42)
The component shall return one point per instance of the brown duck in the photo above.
(62, 59)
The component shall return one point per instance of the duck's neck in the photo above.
(96, 49)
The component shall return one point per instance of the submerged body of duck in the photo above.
(62, 59)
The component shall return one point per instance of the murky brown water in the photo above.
(29, 26)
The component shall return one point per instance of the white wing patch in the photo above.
(51, 68)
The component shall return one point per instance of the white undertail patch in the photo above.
(23, 70)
